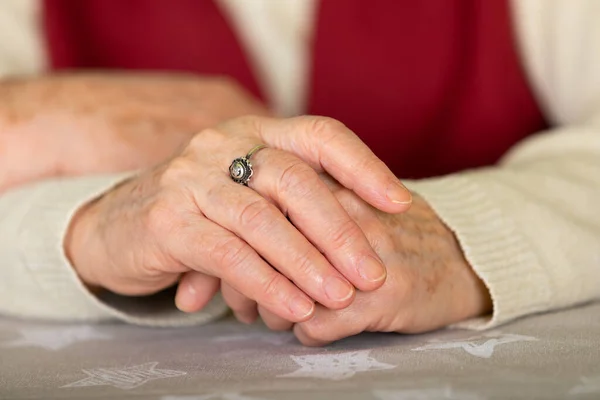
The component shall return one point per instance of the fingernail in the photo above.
(191, 289)
(338, 289)
(399, 194)
(372, 270)
(302, 307)
(185, 298)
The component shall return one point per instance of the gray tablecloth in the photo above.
(552, 356)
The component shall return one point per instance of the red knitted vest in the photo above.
(431, 86)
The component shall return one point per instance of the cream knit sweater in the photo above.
(530, 227)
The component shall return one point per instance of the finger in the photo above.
(206, 247)
(273, 321)
(327, 326)
(243, 308)
(327, 145)
(318, 215)
(262, 225)
(195, 290)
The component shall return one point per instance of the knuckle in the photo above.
(230, 253)
(273, 287)
(297, 178)
(327, 126)
(328, 129)
(304, 263)
(256, 214)
(344, 233)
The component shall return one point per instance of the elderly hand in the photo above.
(429, 283)
(188, 216)
(77, 124)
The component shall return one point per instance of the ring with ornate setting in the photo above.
(240, 169)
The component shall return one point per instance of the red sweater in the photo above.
(432, 87)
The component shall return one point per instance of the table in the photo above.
(550, 356)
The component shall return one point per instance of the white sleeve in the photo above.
(37, 278)
(22, 49)
(531, 226)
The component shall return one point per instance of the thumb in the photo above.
(195, 290)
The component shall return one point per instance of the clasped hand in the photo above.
(284, 243)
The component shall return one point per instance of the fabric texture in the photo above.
(529, 226)
(416, 96)
(277, 37)
(22, 48)
(497, 215)
(553, 356)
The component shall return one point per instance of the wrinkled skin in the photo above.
(283, 242)
(429, 284)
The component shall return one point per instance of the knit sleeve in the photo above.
(21, 40)
(38, 280)
(530, 228)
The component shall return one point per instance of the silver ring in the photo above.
(240, 169)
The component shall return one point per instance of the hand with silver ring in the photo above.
(241, 170)
(283, 242)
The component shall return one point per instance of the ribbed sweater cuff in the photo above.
(498, 253)
(41, 236)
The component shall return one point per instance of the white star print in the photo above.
(424, 394)
(588, 385)
(124, 378)
(214, 396)
(56, 338)
(335, 366)
(472, 346)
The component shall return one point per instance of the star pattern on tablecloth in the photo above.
(213, 396)
(124, 378)
(482, 346)
(425, 394)
(55, 338)
(587, 385)
(336, 366)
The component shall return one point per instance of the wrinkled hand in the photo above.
(188, 217)
(77, 124)
(429, 283)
